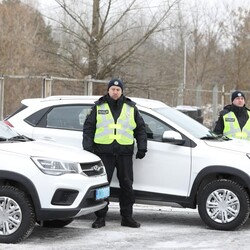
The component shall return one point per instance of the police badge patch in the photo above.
(229, 119)
(103, 112)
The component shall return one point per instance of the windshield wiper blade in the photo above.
(3, 139)
(19, 138)
(209, 138)
(217, 137)
(224, 137)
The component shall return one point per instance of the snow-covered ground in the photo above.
(162, 228)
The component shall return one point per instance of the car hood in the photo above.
(233, 145)
(50, 150)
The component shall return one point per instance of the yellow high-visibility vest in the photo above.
(107, 130)
(232, 127)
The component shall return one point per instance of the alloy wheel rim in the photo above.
(222, 206)
(10, 216)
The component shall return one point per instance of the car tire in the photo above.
(223, 205)
(56, 223)
(17, 215)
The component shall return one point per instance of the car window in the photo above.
(67, 117)
(36, 118)
(154, 127)
(182, 120)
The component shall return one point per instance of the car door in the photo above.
(166, 167)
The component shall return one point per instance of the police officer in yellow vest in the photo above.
(234, 121)
(109, 131)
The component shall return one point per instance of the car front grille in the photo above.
(93, 168)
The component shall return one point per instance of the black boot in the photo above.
(129, 222)
(99, 222)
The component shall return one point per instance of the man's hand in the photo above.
(140, 154)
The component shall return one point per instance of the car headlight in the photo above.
(56, 167)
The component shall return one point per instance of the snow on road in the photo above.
(162, 228)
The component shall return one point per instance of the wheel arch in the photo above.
(214, 172)
(23, 183)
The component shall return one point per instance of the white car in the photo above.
(47, 183)
(186, 164)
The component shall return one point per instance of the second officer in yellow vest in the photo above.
(234, 121)
(110, 131)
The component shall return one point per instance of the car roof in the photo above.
(187, 107)
(148, 103)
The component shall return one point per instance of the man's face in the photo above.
(115, 92)
(239, 101)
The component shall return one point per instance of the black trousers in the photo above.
(124, 168)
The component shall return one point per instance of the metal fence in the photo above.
(13, 89)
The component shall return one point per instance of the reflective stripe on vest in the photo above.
(232, 127)
(107, 130)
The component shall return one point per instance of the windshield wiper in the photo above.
(3, 139)
(217, 137)
(209, 138)
(20, 138)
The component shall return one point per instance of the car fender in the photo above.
(25, 183)
(215, 170)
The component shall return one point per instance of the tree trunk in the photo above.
(94, 44)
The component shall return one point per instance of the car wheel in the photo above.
(17, 217)
(223, 205)
(56, 223)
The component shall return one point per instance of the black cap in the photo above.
(236, 94)
(115, 82)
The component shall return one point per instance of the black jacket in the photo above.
(240, 113)
(89, 129)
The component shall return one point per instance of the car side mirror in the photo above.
(172, 137)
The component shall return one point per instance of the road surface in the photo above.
(162, 228)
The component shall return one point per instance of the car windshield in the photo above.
(190, 125)
(6, 132)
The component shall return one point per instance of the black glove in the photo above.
(140, 154)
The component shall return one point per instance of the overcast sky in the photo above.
(46, 5)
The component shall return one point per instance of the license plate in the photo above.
(102, 193)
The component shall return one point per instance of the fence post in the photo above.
(48, 85)
(43, 87)
(215, 104)
(180, 99)
(88, 87)
(223, 96)
(198, 96)
(1, 96)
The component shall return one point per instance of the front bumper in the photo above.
(88, 205)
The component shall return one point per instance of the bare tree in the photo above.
(114, 35)
(236, 52)
(23, 37)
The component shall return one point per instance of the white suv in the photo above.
(47, 183)
(186, 164)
